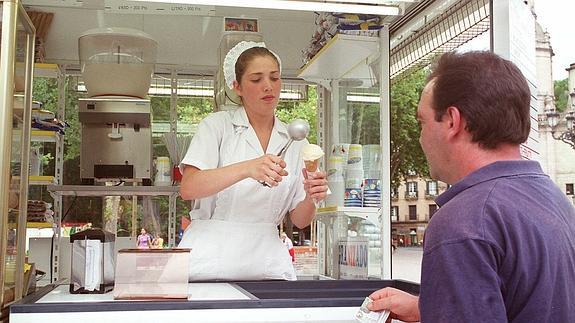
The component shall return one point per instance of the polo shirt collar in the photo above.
(498, 169)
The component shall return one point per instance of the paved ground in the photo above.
(406, 264)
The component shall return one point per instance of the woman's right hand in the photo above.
(268, 168)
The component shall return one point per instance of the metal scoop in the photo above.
(297, 130)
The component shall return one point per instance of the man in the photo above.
(501, 247)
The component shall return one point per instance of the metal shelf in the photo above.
(46, 70)
(33, 225)
(89, 190)
(343, 57)
(370, 214)
(44, 136)
(41, 180)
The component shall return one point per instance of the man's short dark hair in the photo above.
(490, 92)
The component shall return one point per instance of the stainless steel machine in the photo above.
(117, 67)
(116, 139)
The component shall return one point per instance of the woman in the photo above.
(144, 240)
(233, 234)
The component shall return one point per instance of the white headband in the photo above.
(233, 55)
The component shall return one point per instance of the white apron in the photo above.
(225, 250)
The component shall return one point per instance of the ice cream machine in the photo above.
(117, 67)
(116, 139)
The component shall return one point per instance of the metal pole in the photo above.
(173, 129)
(385, 143)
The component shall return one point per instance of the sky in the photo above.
(556, 16)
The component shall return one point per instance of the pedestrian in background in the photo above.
(144, 240)
(501, 247)
(289, 245)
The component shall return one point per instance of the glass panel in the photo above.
(16, 194)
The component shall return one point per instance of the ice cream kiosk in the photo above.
(350, 58)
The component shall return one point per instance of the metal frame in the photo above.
(58, 191)
(385, 143)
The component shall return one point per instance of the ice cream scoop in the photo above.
(297, 130)
(311, 154)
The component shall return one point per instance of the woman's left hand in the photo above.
(315, 185)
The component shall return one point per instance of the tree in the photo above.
(290, 110)
(406, 153)
(561, 92)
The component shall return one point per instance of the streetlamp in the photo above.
(553, 120)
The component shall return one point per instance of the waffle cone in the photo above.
(311, 165)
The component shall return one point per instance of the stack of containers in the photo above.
(354, 177)
(372, 181)
(335, 179)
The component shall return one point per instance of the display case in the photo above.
(354, 132)
(16, 61)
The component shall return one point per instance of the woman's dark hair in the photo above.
(247, 56)
(490, 92)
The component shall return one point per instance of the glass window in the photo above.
(413, 212)
(394, 192)
(411, 190)
(394, 212)
(432, 210)
(431, 188)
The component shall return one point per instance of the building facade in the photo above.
(557, 157)
(412, 206)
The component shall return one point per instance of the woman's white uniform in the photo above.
(233, 234)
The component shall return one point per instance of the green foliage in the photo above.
(561, 91)
(286, 111)
(190, 110)
(406, 152)
(46, 91)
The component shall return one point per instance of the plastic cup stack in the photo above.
(354, 177)
(372, 181)
(163, 172)
(335, 181)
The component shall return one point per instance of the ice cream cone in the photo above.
(311, 165)
(311, 154)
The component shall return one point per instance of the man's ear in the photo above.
(454, 120)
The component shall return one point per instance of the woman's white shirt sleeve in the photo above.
(204, 152)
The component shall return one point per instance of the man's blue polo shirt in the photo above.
(500, 248)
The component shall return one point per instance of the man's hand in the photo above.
(402, 305)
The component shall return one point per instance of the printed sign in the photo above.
(353, 258)
(240, 24)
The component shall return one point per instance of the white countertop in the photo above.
(196, 291)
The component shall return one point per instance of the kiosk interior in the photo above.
(353, 229)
